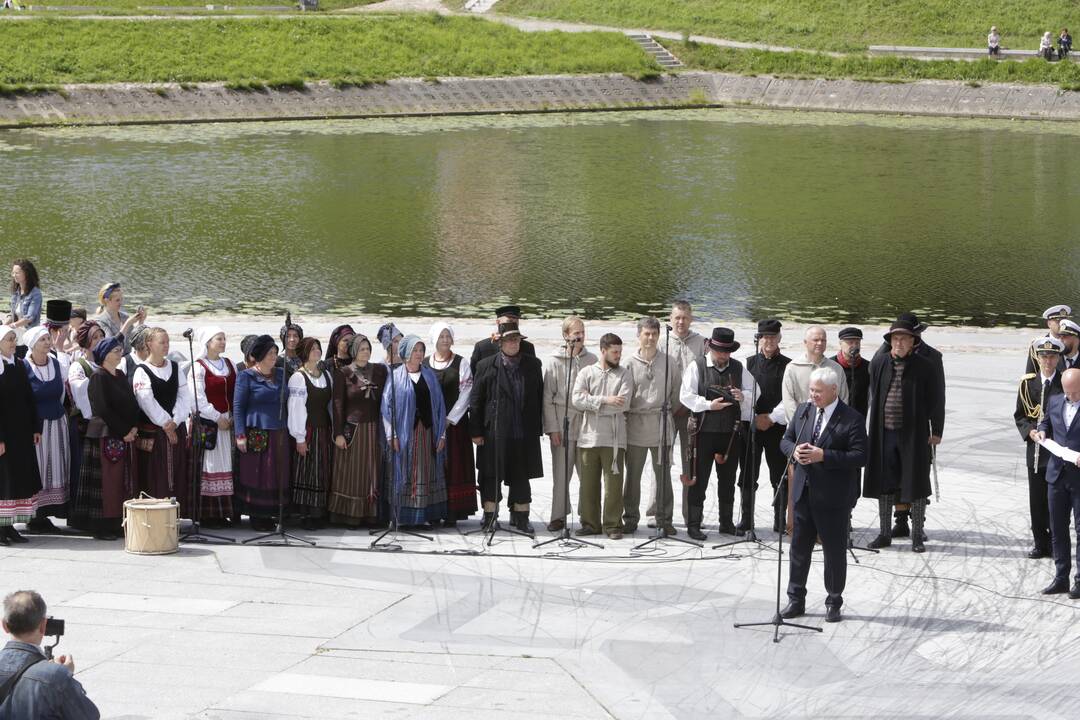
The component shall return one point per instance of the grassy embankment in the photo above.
(180, 7)
(844, 25)
(256, 53)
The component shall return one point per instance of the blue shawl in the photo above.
(399, 403)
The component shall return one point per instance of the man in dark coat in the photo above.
(827, 441)
(904, 423)
(506, 418)
(1063, 479)
(856, 368)
(903, 511)
(490, 346)
(1032, 397)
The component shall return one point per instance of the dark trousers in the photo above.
(830, 524)
(511, 471)
(1038, 500)
(708, 444)
(767, 442)
(1064, 497)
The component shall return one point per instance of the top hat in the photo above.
(508, 311)
(723, 339)
(57, 313)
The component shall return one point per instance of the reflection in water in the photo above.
(745, 213)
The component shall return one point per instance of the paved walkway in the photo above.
(451, 629)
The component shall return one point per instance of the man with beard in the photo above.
(904, 425)
(506, 418)
(1069, 334)
(767, 366)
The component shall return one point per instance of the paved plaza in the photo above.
(454, 629)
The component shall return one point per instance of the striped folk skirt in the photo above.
(261, 476)
(423, 498)
(216, 485)
(460, 471)
(354, 482)
(311, 475)
(164, 471)
(54, 462)
(97, 500)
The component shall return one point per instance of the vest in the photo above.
(48, 395)
(710, 380)
(318, 402)
(165, 391)
(220, 389)
(449, 380)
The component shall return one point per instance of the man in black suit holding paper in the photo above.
(1060, 424)
(826, 441)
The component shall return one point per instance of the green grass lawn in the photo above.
(284, 52)
(825, 24)
(811, 64)
(113, 7)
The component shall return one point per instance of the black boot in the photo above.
(901, 529)
(746, 506)
(488, 521)
(693, 523)
(727, 510)
(778, 518)
(520, 520)
(13, 535)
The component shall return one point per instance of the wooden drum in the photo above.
(151, 526)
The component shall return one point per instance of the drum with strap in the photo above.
(151, 526)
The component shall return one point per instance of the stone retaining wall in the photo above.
(169, 103)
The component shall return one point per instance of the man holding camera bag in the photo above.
(31, 686)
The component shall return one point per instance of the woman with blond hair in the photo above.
(112, 319)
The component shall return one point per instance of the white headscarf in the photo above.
(34, 334)
(6, 330)
(203, 338)
(436, 331)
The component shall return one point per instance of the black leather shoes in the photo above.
(1056, 588)
(1037, 553)
(794, 609)
(13, 535)
(832, 614)
(1074, 593)
(917, 545)
(881, 541)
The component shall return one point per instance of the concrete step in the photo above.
(663, 57)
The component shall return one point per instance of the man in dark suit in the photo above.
(1034, 393)
(1059, 423)
(827, 441)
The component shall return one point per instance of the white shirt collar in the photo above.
(1044, 378)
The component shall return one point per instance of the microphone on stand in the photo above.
(188, 333)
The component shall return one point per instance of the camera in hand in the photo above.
(721, 392)
(54, 626)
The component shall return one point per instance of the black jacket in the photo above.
(858, 384)
(488, 347)
(491, 405)
(769, 375)
(1031, 391)
(835, 481)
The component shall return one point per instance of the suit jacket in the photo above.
(1053, 424)
(836, 479)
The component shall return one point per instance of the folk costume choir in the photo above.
(96, 409)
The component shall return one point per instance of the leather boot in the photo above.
(520, 520)
(777, 518)
(901, 529)
(727, 510)
(488, 520)
(693, 523)
(746, 512)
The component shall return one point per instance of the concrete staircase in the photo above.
(479, 6)
(658, 51)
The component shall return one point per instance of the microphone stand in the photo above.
(564, 538)
(395, 492)
(279, 529)
(195, 534)
(777, 622)
(852, 547)
(665, 459)
(754, 461)
(495, 525)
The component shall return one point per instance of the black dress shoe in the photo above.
(1056, 588)
(13, 535)
(881, 541)
(832, 614)
(1037, 553)
(694, 531)
(794, 609)
(917, 545)
(4, 542)
(1074, 593)
(41, 525)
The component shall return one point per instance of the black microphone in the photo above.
(188, 333)
(668, 328)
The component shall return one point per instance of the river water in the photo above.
(745, 213)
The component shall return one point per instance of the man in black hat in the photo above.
(58, 323)
(1032, 397)
(903, 512)
(506, 419)
(718, 391)
(767, 366)
(490, 346)
(904, 424)
(856, 368)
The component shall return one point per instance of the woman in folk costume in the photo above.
(54, 450)
(455, 380)
(414, 419)
(20, 431)
(339, 349)
(107, 469)
(310, 426)
(262, 437)
(358, 438)
(165, 400)
(215, 384)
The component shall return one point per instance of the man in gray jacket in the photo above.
(644, 425)
(569, 359)
(602, 394)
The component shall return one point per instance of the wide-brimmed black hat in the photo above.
(508, 311)
(768, 327)
(509, 329)
(723, 339)
(914, 320)
(905, 325)
(57, 313)
(850, 333)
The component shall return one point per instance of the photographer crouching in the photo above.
(33, 684)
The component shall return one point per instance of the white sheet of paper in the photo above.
(1062, 452)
